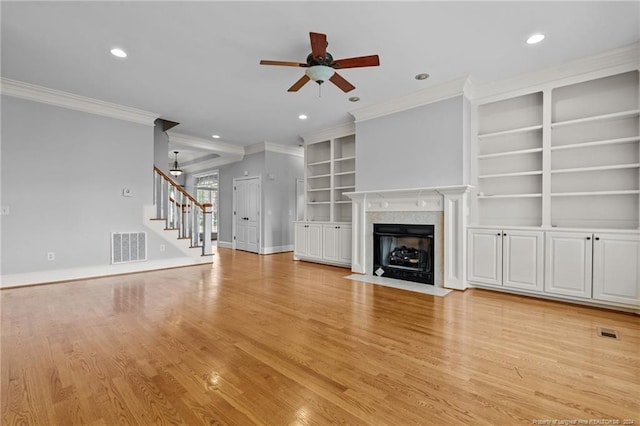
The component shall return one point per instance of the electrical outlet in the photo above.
(51, 256)
(162, 247)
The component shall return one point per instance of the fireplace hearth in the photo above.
(404, 251)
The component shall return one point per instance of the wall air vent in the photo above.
(607, 332)
(128, 247)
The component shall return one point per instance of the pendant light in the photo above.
(176, 170)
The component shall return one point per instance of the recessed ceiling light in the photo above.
(116, 51)
(302, 117)
(536, 38)
(354, 99)
(215, 136)
(422, 76)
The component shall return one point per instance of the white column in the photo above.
(455, 226)
(206, 229)
(359, 222)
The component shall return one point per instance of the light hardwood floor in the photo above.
(266, 340)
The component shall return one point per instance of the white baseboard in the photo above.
(55, 275)
(276, 249)
(225, 244)
(264, 250)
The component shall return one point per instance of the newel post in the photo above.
(206, 229)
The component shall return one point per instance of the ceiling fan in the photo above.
(321, 66)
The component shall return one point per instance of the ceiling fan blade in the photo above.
(298, 84)
(361, 61)
(283, 63)
(318, 45)
(343, 84)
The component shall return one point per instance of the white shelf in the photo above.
(510, 132)
(318, 176)
(597, 143)
(498, 196)
(597, 168)
(345, 158)
(318, 189)
(612, 116)
(346, 187)
(591, 193)
(318, 202)
(507, 153)
(317, 163)
(503, 175)
(344, 173)
(343, 202)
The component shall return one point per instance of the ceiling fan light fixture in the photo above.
(320, 73)
(175, 170)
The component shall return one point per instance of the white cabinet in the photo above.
(327, 242)
(568, 264)
(308, 240)
(336, 243)
(601, 266)
(485, 260)
(616, 268)
(509, 258)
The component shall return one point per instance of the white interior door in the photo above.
(247, 214)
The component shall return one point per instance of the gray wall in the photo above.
(63, 173)
(279, 197)
(422, 147)
(278, 172)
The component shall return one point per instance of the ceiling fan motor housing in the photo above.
(311, 61)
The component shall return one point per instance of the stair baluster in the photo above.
(182, 211)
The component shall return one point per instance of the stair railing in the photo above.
(181, 211)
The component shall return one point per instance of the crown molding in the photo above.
(273, 147)
(203, 166)
(339, 131)
(621, 59)
(32, 92)
(450, 89)
(205, 144)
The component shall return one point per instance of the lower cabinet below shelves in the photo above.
(598, 267)
(324, 242)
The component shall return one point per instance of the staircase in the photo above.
(181, 214)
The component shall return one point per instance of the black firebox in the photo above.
(403, 251)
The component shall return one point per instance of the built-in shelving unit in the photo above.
(594, 153)
(330, 172)
(510, 161)
(563, 156)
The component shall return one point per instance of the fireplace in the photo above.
(404, 251)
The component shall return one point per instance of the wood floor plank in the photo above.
(269, 341)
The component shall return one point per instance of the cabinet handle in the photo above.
(597, 238)
(499, 234)
(588, 238)
(504, 234)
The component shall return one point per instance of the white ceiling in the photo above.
(196, 63)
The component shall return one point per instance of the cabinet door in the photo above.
(300, 244)
(568, 263)
(330, 242)
(522, 258)
(344, 244)
(616, 268)
(485, 256)
(314, 249)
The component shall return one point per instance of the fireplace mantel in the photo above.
(451, 200)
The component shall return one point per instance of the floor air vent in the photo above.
(128, 247)
(607, 332)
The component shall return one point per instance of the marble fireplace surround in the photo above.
(445, 207)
